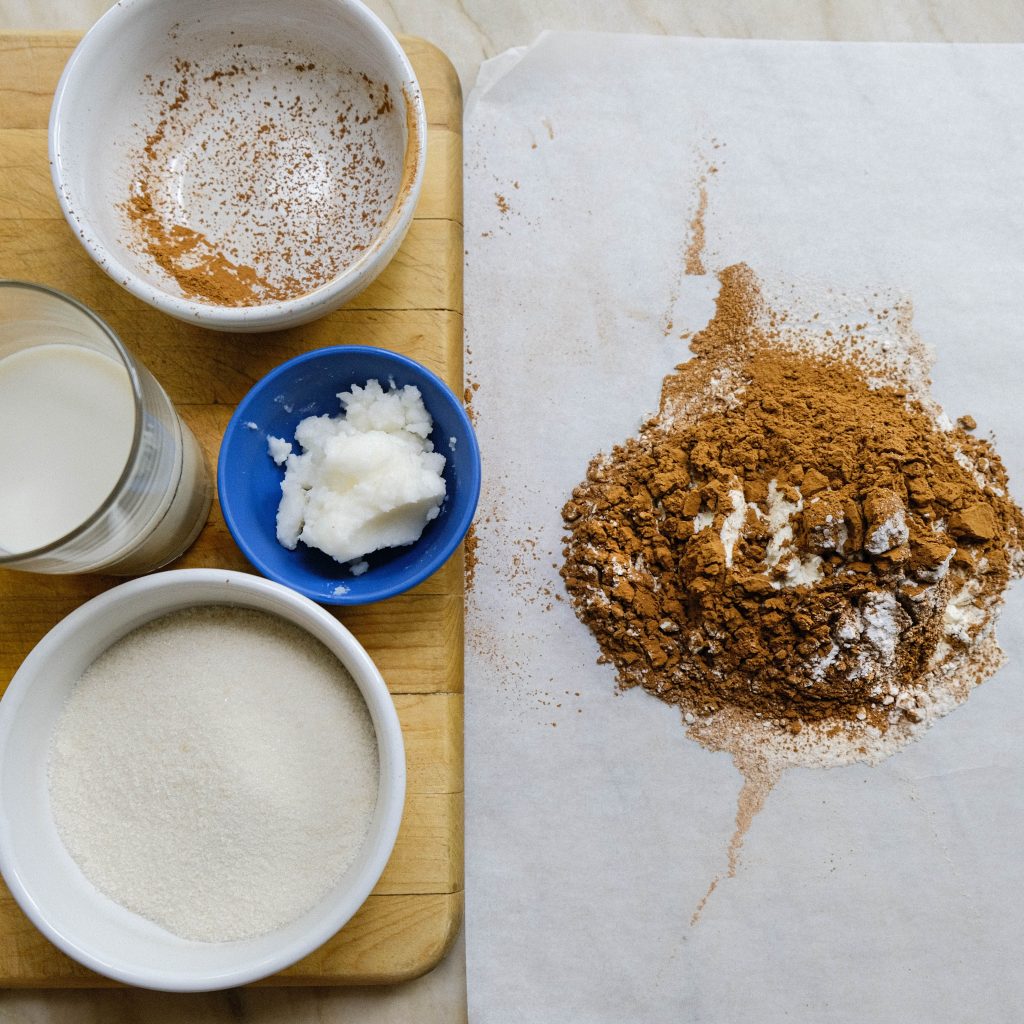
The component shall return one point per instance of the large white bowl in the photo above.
(39, 871)
(106, 107)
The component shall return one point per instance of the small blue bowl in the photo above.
(249, 481)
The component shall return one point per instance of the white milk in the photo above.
(66, 421)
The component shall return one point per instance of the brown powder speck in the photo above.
(467, 399)
(386, 104)
(502, 202)
(216, 76)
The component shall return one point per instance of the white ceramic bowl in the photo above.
(264, 130)
(47, 883)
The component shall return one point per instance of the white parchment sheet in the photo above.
(880, 894)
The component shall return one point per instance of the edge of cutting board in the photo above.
(412, 918)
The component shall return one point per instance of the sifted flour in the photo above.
(215, 771)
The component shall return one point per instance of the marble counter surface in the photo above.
(470, 31)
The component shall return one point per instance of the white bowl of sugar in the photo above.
(247, 166)
(202, 777)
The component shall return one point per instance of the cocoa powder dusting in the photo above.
(693, 262)
(469, 555)
(790, 540)
(759, 776)
(285, 170)
(198, 266)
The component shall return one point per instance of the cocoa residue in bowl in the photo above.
(246, 193)
(198, 266)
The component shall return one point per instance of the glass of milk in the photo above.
(97, 471)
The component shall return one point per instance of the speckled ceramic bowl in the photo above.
(246, 166)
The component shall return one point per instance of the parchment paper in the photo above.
(594, 826)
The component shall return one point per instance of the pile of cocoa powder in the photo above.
(798, 539)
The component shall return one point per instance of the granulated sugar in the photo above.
(215, 771)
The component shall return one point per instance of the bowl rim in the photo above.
(216, 586)
(102, 37)
(457, 527)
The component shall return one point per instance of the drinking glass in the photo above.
(75, 399)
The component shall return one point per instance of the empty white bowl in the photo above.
(246, 165)
(51, 888)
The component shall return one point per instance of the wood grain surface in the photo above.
(414, 307)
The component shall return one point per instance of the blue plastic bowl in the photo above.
(249, 481)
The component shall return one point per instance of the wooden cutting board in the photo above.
(414, 307)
